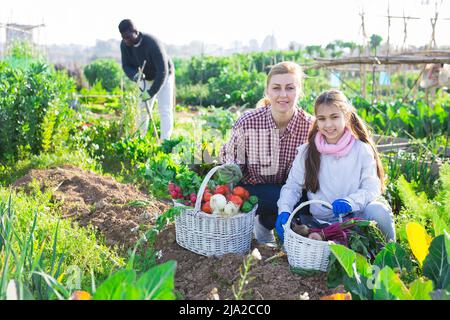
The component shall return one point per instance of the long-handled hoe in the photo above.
(147, 104)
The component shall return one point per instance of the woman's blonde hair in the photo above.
(357, 127)
(282, 68)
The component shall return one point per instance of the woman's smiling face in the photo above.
(283, 92)
(331, 122)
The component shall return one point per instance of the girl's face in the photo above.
(283, 92)
(331, 122)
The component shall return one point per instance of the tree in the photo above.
(375, 41)
(312, 49)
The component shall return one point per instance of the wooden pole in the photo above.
(364, 46)
(388, 69)
(433, 26)
(320, 62)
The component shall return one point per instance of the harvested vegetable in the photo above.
(236, 200)
(222, 189)
(253, 200)
(229, 173)
(206, 196)
(206, 207)
(315, 236)
(301, 229)
(218, 203)
(241, 192)
(230, 209)
(246, 207)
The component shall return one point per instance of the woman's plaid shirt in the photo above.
(256, 145)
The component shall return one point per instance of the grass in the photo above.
(79, 246)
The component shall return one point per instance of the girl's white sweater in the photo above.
(352, 177)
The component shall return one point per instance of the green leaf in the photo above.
(447, 245)
(351, 260)
(158, 282)
(335, 272)
(58, 289)
(388, 286)
(394, 256)
(436, 266)
(345, 256)
(420, 289)
(363, 267)
(438, 224)
(116, 286)
(358, 287)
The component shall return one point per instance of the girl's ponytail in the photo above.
(312, 161)
(361, 132)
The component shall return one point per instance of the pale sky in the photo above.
(223, 21)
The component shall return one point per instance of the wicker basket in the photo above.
(212, 235)
(303, 252)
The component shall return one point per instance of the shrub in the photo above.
(34, 109)
(107, 71)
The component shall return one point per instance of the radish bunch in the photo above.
(337, 232)
(176, 193)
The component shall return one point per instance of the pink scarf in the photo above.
(341, 148)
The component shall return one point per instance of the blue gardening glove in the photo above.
(145, 96)
(341, 207)
(281, 220)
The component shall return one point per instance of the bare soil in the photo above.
(197, 277)
(102, 202)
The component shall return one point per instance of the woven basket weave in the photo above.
(303, 252)
(212, 235)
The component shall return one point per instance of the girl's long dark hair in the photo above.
(358, 128)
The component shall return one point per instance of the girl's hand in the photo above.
(282, 218)
(341, 207)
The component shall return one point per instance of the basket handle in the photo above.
(208, 176)
(301, 205)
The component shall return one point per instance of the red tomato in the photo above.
(241, 192)
(220, 190)
(236, 200)
(206, 207)
(207, 196)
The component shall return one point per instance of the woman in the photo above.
(264, 143)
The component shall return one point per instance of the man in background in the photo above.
(156, 80)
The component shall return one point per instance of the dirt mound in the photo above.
(197, 276)
(89, 198)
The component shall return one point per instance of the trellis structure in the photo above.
(19, 32)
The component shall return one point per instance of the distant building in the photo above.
(19, 32)
(269, 43)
